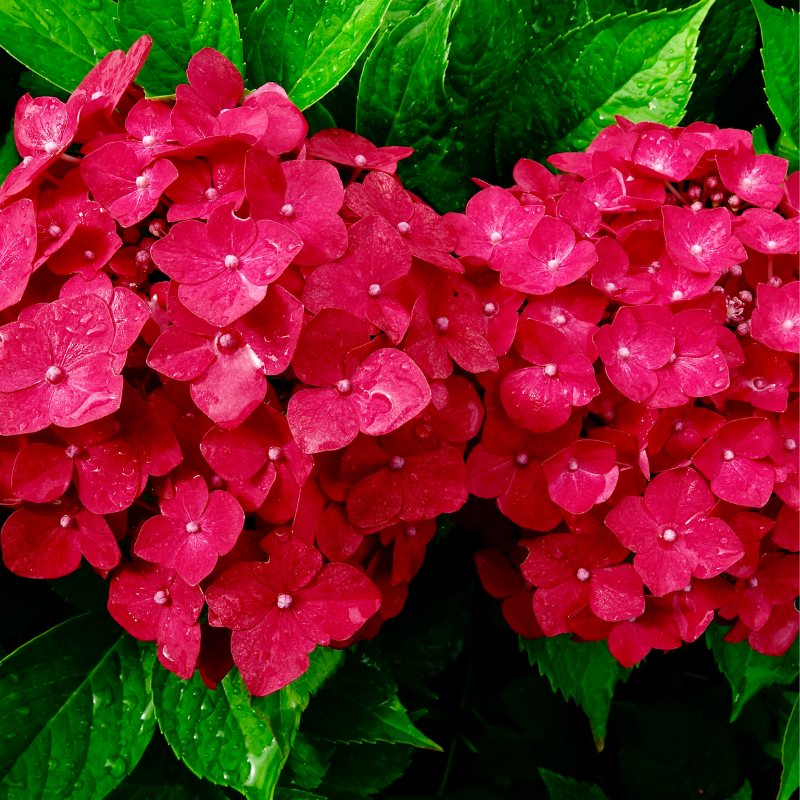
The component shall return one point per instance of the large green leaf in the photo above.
(282, 709)
(364, 769)
(745, 793)
(179, 28)
(308, 762)
(61, 40)
(216, 733)
(359, 704)
(77, 711)
(561, 788)
(488, 39)
(308, 46)
(585, 672)
(780, 33)
(790, 779)
(401, 97)
(748, 671)
(638, 65)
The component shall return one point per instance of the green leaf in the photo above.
(760, 141)
(84, 588)
(37, 86)
(244, 10)
(77, 710)
(401, 97)
(790, 778)
(364, 769)
(585, 672)
(179, 28)
(312, 46)
(745, 793)
(359, 704)
(130, 791)
(61, 41)
(282, 793)
(748, 671)
(282, 709)
(785, 148)
(9, 157)
(488, 40)
(561, 788)
(308, 762)
(639, 66)
(216, 733)
(318, 118)
(780, 33)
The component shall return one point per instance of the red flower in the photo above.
(410, 541)
(280, 610)
(630, 641)
(768, 232)
(762, 380)
(671, 534)
(701, 241)
(581, 475)
(693, 606)
(17, 250)
(756, 179)
(352, 150)
(196, 528)
(776, 318)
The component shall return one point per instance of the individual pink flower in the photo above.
(153, 603)
(304, 196)
(631, 640)
(261, 452)
(750, 528)
(507, 465)
(194, 528)
(500, 306)
(286, 127)
(17, 250)
(205, 184)
(693, 606)
(375, 395)
(553, 259)
(773, 582)
(280, 610)
(776, 318)
(581, 475)
(669, 531)
(427, 236)
(579, 211)
(534, 178)
(398, 476)
(226, 366)
(57, 368)
(48, 540)
(779, 632)
(410, 541)
(575, 311)
(612, 274)
(225, 266)
(105, 468)
(756, 179)
(674, 284)
(696, 367)
(494, 225)
(664, 153)
(351, 150)
(701, 241)
(119, 183)
(762, 380)
(447, 324)
(367, 281)
(571, 572)
(632, 351)
(541, 397)
(768, 232)
(148, 122)
(455, 413)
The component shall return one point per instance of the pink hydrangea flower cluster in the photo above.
(242, 371)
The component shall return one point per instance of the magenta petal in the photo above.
(180, 355)
(711, 547)
(179, 646)
(36, 546)
(107, 476)
(323, 419)
(534, 400)
(633, 524)
(617, 593)
(664, 569)
(41, 473)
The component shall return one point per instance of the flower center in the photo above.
(752, 582)
(669, 535)
(759, 383)
(772, 244)
(396, 463)
(678, 425)
(490, 309)
(192, 527)
(728, 455)
(582, 574)
(161, 597)
(374, 290)
(284, 601)
(55, 375)
(572, 465)
(442, 324)
(216, 481)
(360, 160)
(411, 531)
(343, 386)
(403, 227)
(789, 444)
(551, 370)
(696, 249)
(496, 237)
(54, 231)
(211, 194)
(787, 325)
(73, 451)
(88, 255)
(287, 211)
(231, 262)
(553, 264)
(522, 460)
(227, 341)
(143, 258)
(747, 182)
(142, 182)
(610, 287)
(274, 453)
(688, 587)
(623, 352)
(148, 141)
(677, 295)
(558, 319)
(50, 148)
(27, 160)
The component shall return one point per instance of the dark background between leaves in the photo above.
(495, 717)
